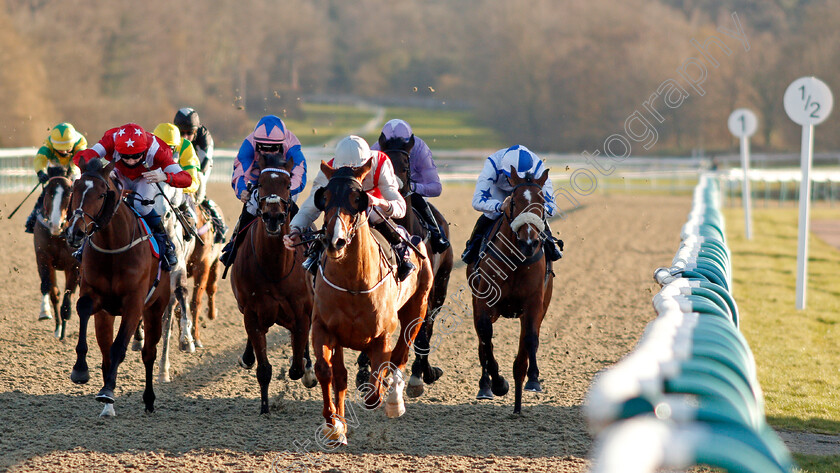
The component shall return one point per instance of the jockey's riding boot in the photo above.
(403, 253)
(33, 216)
(218, 223)
(168, 258)
(229, 251)
(313, 256)
(188, 216)
(293, 211)
(437, 237)
(482, 225)
(553, 247)
(30, 221)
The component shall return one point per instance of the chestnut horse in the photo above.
(511, 279)
(268, 281)
(52, 252)
(203, 267)
(421, 370)
(120, 277)
(359, 302)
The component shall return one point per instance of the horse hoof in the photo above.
(484, 393)
(106, 396)
(164, 378)
(394, 410)
(45, 316)
(136, 345)
(436, 374)
(108, 411)
(295, 374)
(533, 386)
(309, 379)
(198, 344)
(334, 436)
(245, 365)
(58, 334)
(188, 347)
(362, 377)
(501, 388)
(415, 387)
(79, 376)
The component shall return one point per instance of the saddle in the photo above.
(385, 249)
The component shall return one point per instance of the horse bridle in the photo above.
(273, 198)
(95, 224)
(407, 165)
(510, 217)
(359, 216)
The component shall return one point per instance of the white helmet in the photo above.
(523, 160)
(351, 151)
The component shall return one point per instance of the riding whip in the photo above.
(177, 213)
(236, 231)
(24, 200)
(394, 228)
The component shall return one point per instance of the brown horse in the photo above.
(120, 277)
(511, 279)
(421, 370)
(359, 302)
(269, 283)
(203, 267)
(52, 252)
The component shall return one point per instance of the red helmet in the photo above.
(130, 139)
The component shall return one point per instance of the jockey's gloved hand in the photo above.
(245, 196)
(43, 177)
(292, 238)
(155, 175)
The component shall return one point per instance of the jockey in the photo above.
(493, 188)
(183, 153)
(188, 123)
(383, 191)
(141, 161)
(425, 182)
(58, 151)
(270, 137)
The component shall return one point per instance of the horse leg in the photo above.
(137, 344)
(497, 384)
(247, 359)
(187, 343)
(300, 353)
(47, 275)
(309, 378)
(412, 312)
(334, 430)
(71, 282)
(166, 329)
(212, 286)
(200, 276)
(339, 376)
(104, 327)
(152, 326)
(437, 297)
(131, 316)
(380, 362)
(256, 337)
(363, 375)
(80, 373)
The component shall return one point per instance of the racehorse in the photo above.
(120, 277)
(268, 281)
(203, 267)
(512, 280)
(52, 252)
(421, 371)
(358, 302)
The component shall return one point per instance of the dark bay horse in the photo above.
(52, 252)
(269, 283)
(421, 371)
(120, 277)
(511, 280)
(359, 303)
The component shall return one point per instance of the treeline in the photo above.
(554, 74)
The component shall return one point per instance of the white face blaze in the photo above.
(338, 231)
(55, 212)
(527, 195)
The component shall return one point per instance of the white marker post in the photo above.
(808, 102)
(743, 123)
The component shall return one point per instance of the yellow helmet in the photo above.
(169, 133)
(63, 137)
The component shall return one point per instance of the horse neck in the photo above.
(118, 230)
(270, 250)
(361, 256)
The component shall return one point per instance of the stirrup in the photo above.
(438, 241)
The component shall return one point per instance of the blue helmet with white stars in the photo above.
(521, 159)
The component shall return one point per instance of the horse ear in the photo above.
(320, 199)
(289, 164)
(327, 169)
(363, 170)
(514, 176)
(107, 169)
(541, 180)
(364, 201)
(410, 145)
(382, 141)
